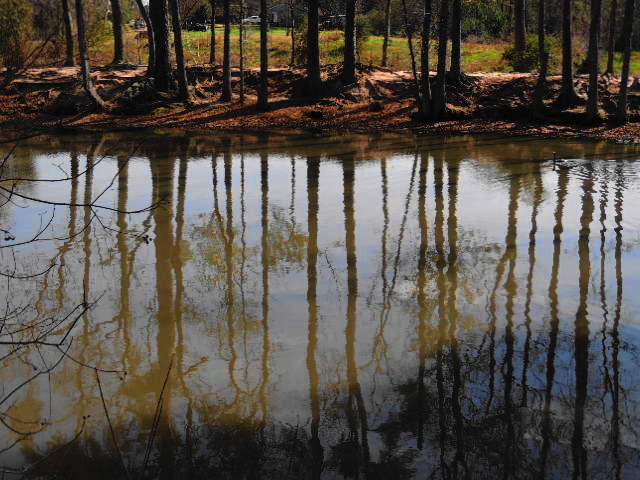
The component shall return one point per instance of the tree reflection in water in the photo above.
(481, 327)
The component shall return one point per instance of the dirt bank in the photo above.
(382, 100)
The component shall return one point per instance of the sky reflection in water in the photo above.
(322, 307)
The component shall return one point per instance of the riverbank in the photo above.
(48, 99)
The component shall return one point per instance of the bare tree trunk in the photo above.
(593, 61)
(520, 34)
(212, 51)
(70, 60)
(314, 81)
(456, 42)
(292, 33)
(118, 38)
(84, 56)
(241, 48)
(263, 87)
(159, 15)
(543, 58)
(439, 101)
(387, 33)
(183, 89)
(349, 63)
(627, 31)
(408, 27)
(425, 103)
(611, 41)
(150, 37)
(568, 96)
(226, 53)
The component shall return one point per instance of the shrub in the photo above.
(15, 32)
(530, 58)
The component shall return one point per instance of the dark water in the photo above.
(374, 307)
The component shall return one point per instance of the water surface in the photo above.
(237, 306)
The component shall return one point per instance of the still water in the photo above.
(373, 307)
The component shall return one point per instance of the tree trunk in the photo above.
(118, 38)
(425, 103)
(543, 58)
(158, 14)
(226, 53)
(263, 87)
(349, 64)
(520, 34)
(439, 102)
(70, 60)
(627, 31)
(314, 81)
(241, 48)
(456, 41)
(183, 89)
(387, 33)
(568, 96)
(292, 33)
(408, 27)
(212, 51)
(150, 37)
(611, 41)
(84, 56)
(593, 61)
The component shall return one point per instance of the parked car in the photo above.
(196, 27)
(252, 19)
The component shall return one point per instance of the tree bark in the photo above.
(387, 33)
(425, 99)
(150, 37)
(70, 60)
(456, 41)
(212, 51)
(84, 56)
(158, 13)
(568, 96)
(314, 81)
(183, 89)
(241, 48)
(627, 31)
(118, 38)
(226, 53)
(263, 87)
(593, 61)
(349, 63)
(520, 34)
(439, 101)
(611, 41)
(543, 58)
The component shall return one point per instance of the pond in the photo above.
(185, 305)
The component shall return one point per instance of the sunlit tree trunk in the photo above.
(425, 99)
(349, 64)
(594, 61)
(313, 50)
(568, 96)
(543, 58)
(520, 34)
(158, 13)
(212, 51)
(456, 41)
(70, 60)
(226, 53)
(84, 55)
(439, 101)
(627, 31)
(611, 41)
(387, 33)
(150, 37)
(183, 89)
(263, 88)
(118, 38)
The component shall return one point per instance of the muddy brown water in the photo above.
(293, 306)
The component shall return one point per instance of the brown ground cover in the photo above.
(382, 100)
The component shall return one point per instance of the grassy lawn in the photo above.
(478, 56)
